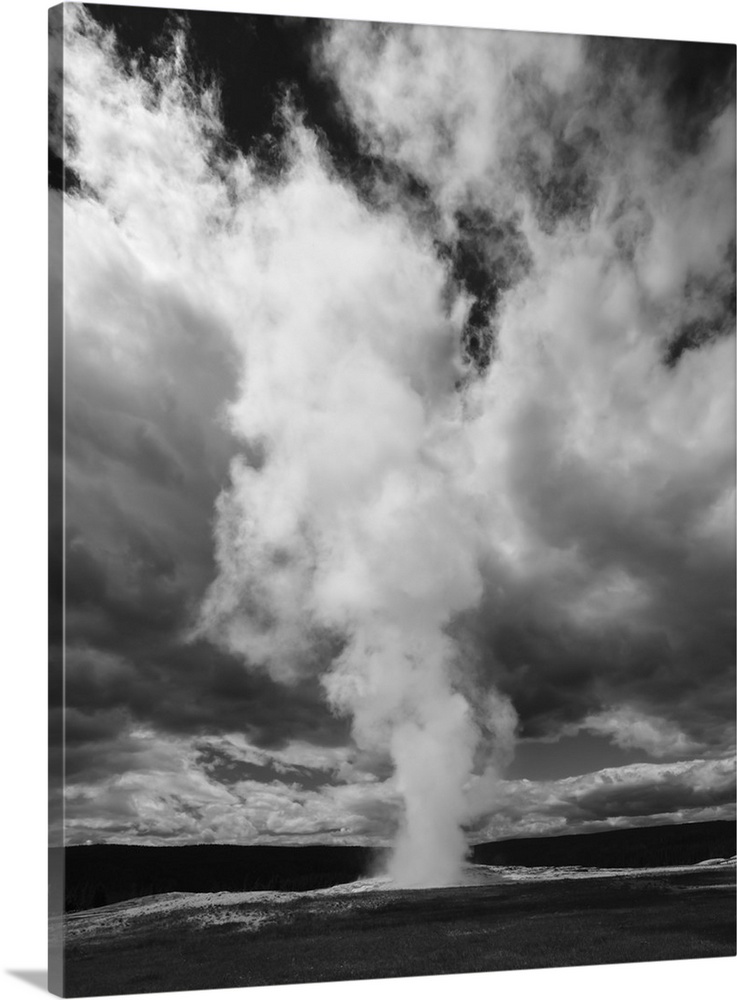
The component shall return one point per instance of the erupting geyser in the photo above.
(354, 541)
(483, 388)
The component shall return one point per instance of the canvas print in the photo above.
(392, 482)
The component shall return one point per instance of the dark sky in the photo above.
(524, 245)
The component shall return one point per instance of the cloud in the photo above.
(150, 366)
(613, 798)
(140, 787)
(444, 102)
(602, 436)
(136, 786)
(629, 728)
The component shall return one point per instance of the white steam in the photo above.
(355, 532)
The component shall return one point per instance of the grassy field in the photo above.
(381, 934)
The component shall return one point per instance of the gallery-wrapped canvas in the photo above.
(392, 500)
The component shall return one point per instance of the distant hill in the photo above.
(108, 873)
(644, 847)
(99, 874)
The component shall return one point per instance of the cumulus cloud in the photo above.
(446, 102)
(140, 787)
(602, 436)
(147, 359)
(613, 798)
(134, 786)
(630, 728)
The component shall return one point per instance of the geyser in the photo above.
(357, 530)
(388, 485)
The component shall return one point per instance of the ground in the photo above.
(509, 919)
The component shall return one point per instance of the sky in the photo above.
(399, 437)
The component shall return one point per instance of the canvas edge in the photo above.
(55, 983)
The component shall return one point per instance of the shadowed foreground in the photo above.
(180, 942)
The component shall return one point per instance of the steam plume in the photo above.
(355, 540)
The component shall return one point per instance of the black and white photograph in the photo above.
(391, 499)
